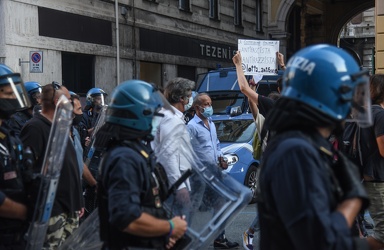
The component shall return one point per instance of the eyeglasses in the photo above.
(55, 86)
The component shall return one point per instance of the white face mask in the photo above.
(155, 124)
(189, 104)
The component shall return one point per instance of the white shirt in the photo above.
(172, 146)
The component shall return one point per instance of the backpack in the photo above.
(351, 143)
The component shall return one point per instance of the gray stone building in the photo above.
(358, 37)
(74, 41)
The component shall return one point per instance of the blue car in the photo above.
(234, 121)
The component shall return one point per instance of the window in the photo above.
(78, 72)
(214, 9)
(151, 72)
(238, 13)
(184, 5)
(259, 16)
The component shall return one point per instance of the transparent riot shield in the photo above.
(92, 161)
(50, 173)
(213, 199)
(99, 123)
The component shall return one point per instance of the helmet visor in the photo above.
(361, 103)
(98, 100)
(13, 95)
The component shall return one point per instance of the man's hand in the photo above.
(280, 60)
(223, 163)
(81, 212)
(87, 141)
(237, 59)
(180, 227)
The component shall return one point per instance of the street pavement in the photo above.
(234, 231)
(242, 221)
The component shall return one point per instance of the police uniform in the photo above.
(89, 121)
(11, 186)
(299, 195)
(17, 121)
(129, 186)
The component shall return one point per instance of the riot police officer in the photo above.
(131, 192)
(95, 101)
(13, 210)
(17, 120)
(307, 198)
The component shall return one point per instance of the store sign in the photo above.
(171, 44)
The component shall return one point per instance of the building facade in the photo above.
(158, 39)
(75, 42)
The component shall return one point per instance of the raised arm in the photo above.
(243, 83)
(280, 60)
(252, 105)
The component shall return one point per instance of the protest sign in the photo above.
(258, 56)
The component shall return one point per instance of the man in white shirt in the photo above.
(171, 136)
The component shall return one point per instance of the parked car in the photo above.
(235, 129)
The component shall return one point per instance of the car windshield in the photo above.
(224, 101)
(239, 131)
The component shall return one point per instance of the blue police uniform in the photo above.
(17, 121)
(11, 186)
(128, 187)
(299, 195)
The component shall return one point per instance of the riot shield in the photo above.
(50, 173)
(92, 161)
(99, 123)
(213, 200)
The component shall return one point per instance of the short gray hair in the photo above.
(178, 88)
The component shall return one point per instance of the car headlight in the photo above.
(231, 158)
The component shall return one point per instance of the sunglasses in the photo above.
(55, 86)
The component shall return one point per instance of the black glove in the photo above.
(348, 175)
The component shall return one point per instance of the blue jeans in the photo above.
(255, 225)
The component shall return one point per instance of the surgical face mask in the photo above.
(189, 104)
(155, 124)
(207, 112)
(77, 119)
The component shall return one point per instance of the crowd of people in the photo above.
(309, 195)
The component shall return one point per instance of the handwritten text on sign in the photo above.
(259, 56)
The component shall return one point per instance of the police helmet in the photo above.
(33, 89)
(93, 92)
(13, 96)
(330, 81)
(134, 104)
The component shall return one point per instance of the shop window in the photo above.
(151, 72)
(188, 72)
